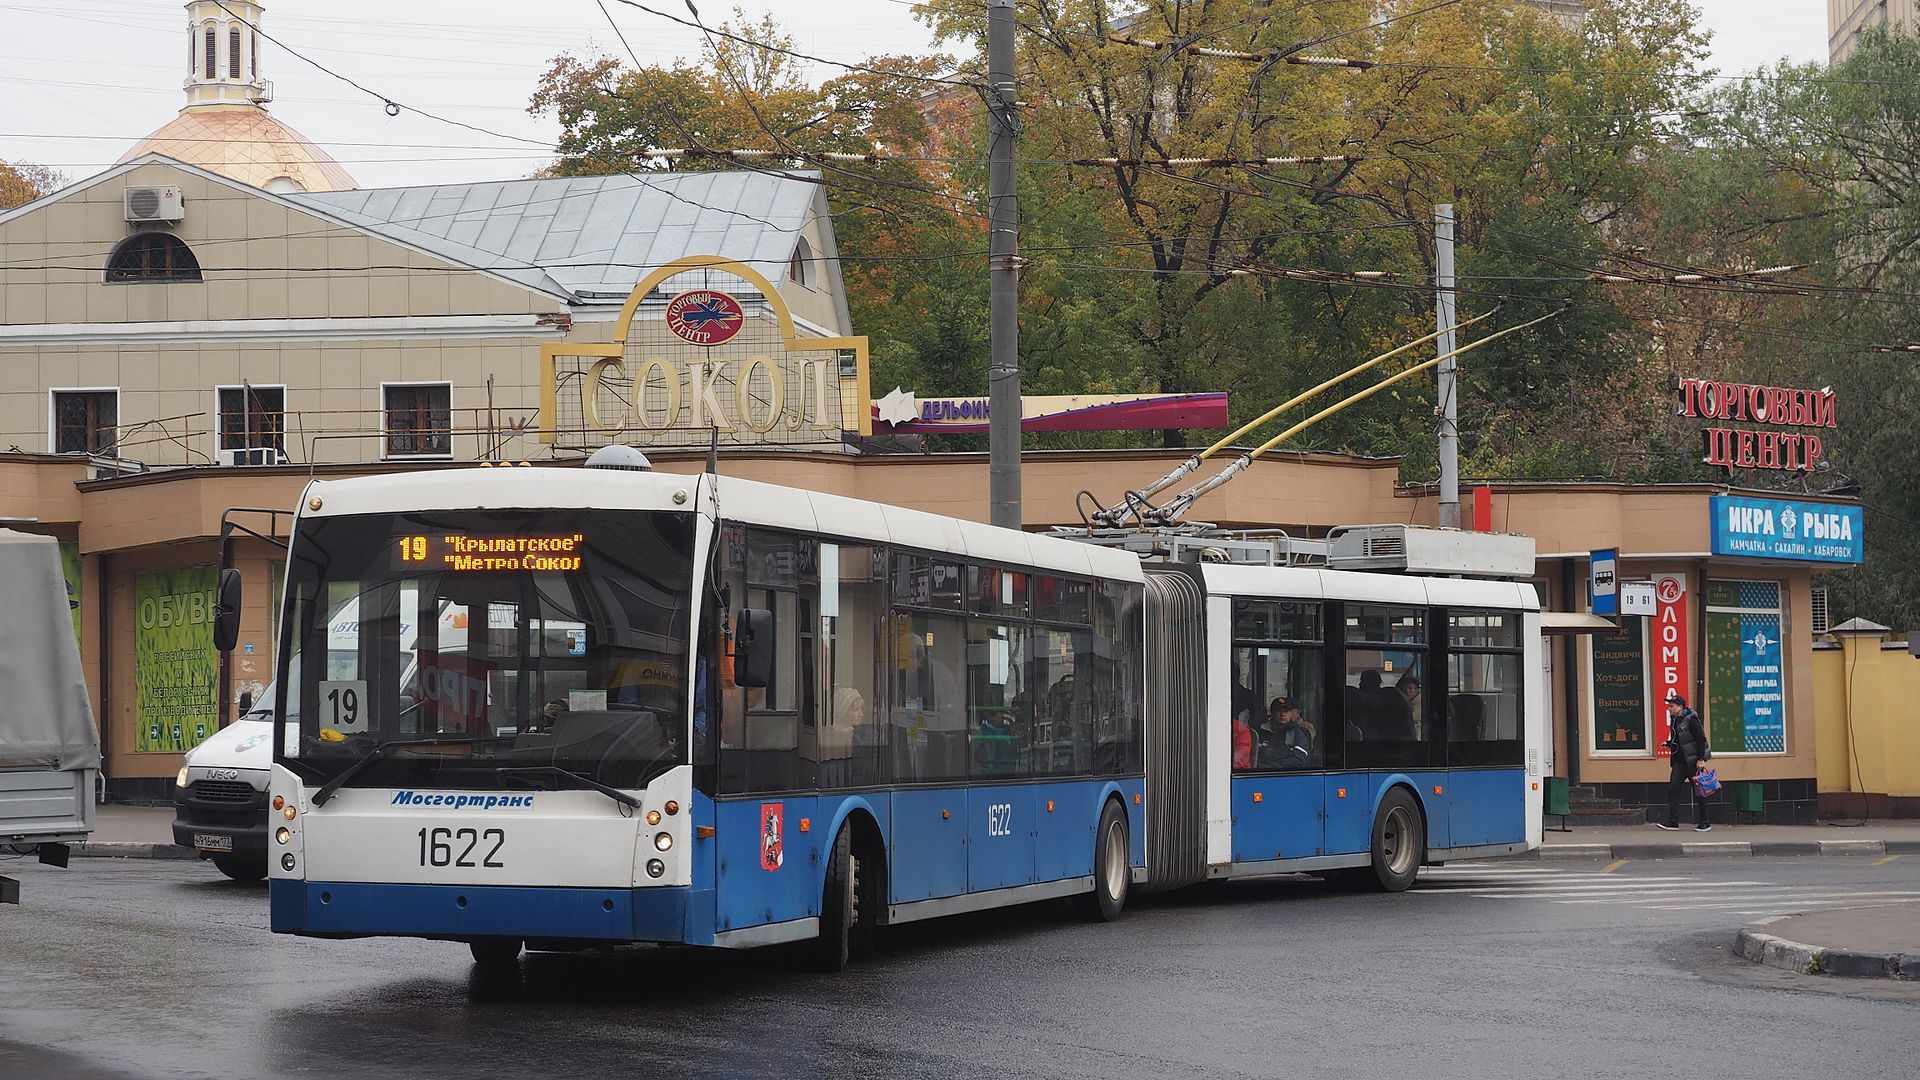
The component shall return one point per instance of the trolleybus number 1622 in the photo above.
(436, 846)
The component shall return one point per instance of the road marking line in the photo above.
(1624, 887)
(1885, 861)
(1822, 899)
(1614, 865)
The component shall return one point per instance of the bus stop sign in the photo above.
(1606, 588)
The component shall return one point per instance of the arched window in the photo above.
(233, 52)
(152, 256)
(253, 55)
(210, 69)
(800, 267)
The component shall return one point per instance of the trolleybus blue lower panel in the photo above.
(1297, 816)
(471, 911)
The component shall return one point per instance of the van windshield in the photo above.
(506, 649)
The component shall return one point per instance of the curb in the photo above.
(1802, 959)
(1710, 849)
(112, 849)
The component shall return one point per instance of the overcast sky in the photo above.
(83, 80)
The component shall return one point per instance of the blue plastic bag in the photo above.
(1706, 782)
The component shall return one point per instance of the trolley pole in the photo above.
(1003, 221)
(1447, 372)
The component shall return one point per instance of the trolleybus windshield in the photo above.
(505, 650)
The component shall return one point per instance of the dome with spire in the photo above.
(225, 127)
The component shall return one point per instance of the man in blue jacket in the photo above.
(1687, 739)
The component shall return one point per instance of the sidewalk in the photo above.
(132, 832)
(1860, 943)
(1647, 842)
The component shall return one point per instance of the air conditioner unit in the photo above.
(1416, 549)
(1820, 619)
(252, 455)
(162, 204)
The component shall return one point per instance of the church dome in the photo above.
(225, 127)
(246, 143)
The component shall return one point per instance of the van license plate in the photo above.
(210, 842)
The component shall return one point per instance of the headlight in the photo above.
(662, 841)
(655, 868)
(181, 780)
(283, 834)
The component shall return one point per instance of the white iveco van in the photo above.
(220, 796)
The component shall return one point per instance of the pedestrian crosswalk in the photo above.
(1654, 892)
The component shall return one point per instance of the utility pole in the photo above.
(1003, 221)
(1447, 370)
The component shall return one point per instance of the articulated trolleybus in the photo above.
(565, 708)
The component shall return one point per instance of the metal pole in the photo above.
(1449, 419)
(1003, 220)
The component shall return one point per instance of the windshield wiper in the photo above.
(378, 753)
(610, 792)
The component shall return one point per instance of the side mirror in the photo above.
(246, 702)
(226, 611)
(753, 648)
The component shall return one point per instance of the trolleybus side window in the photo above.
(1280, 708)
(768, 735)
(853, 653)
(1118, 642)
(1484, 673)
(1384, 699)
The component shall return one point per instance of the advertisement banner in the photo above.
(1745, 689)
(175, 668)
(1787, 529)
(1668, 650)
(70, 566)
(1620, 689)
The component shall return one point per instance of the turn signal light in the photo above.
(653, 817)
(704, 832)
(1259, 796)
(279, 801)
(287, 813)
(1343, 792)
(806, 824)
(673, 807)
(1438, 790)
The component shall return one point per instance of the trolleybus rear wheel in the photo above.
(495, 952)
(1110, 869)
(839, 906)
(1399, 842)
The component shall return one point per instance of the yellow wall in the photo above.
(1867, 723)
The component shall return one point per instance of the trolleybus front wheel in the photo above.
(1110, 870)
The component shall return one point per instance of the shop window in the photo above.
(1746, 679)
(419, 419)
(152, 257)
(1619, 674)
(252, 424)
(85, 421)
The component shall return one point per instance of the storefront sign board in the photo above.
(1787, 529)
(1667, 649)
(175, 668)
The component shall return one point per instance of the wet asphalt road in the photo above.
(120, 969)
